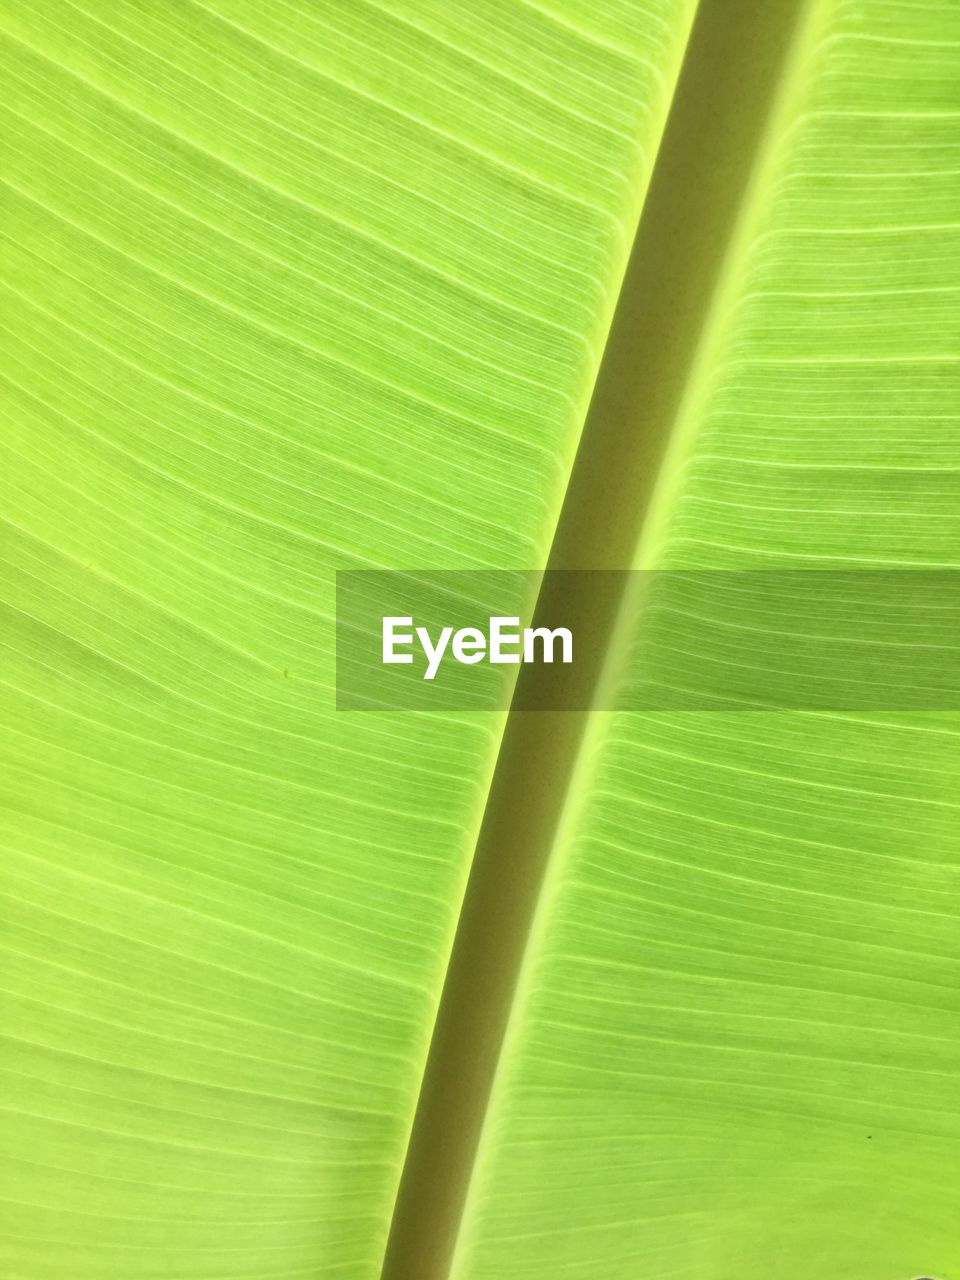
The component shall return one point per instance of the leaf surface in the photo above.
(306, 286)
(287, 289)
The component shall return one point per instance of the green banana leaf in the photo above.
(312, 285)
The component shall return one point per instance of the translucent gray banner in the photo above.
(669, 640)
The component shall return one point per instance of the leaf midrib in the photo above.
(724, 100)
